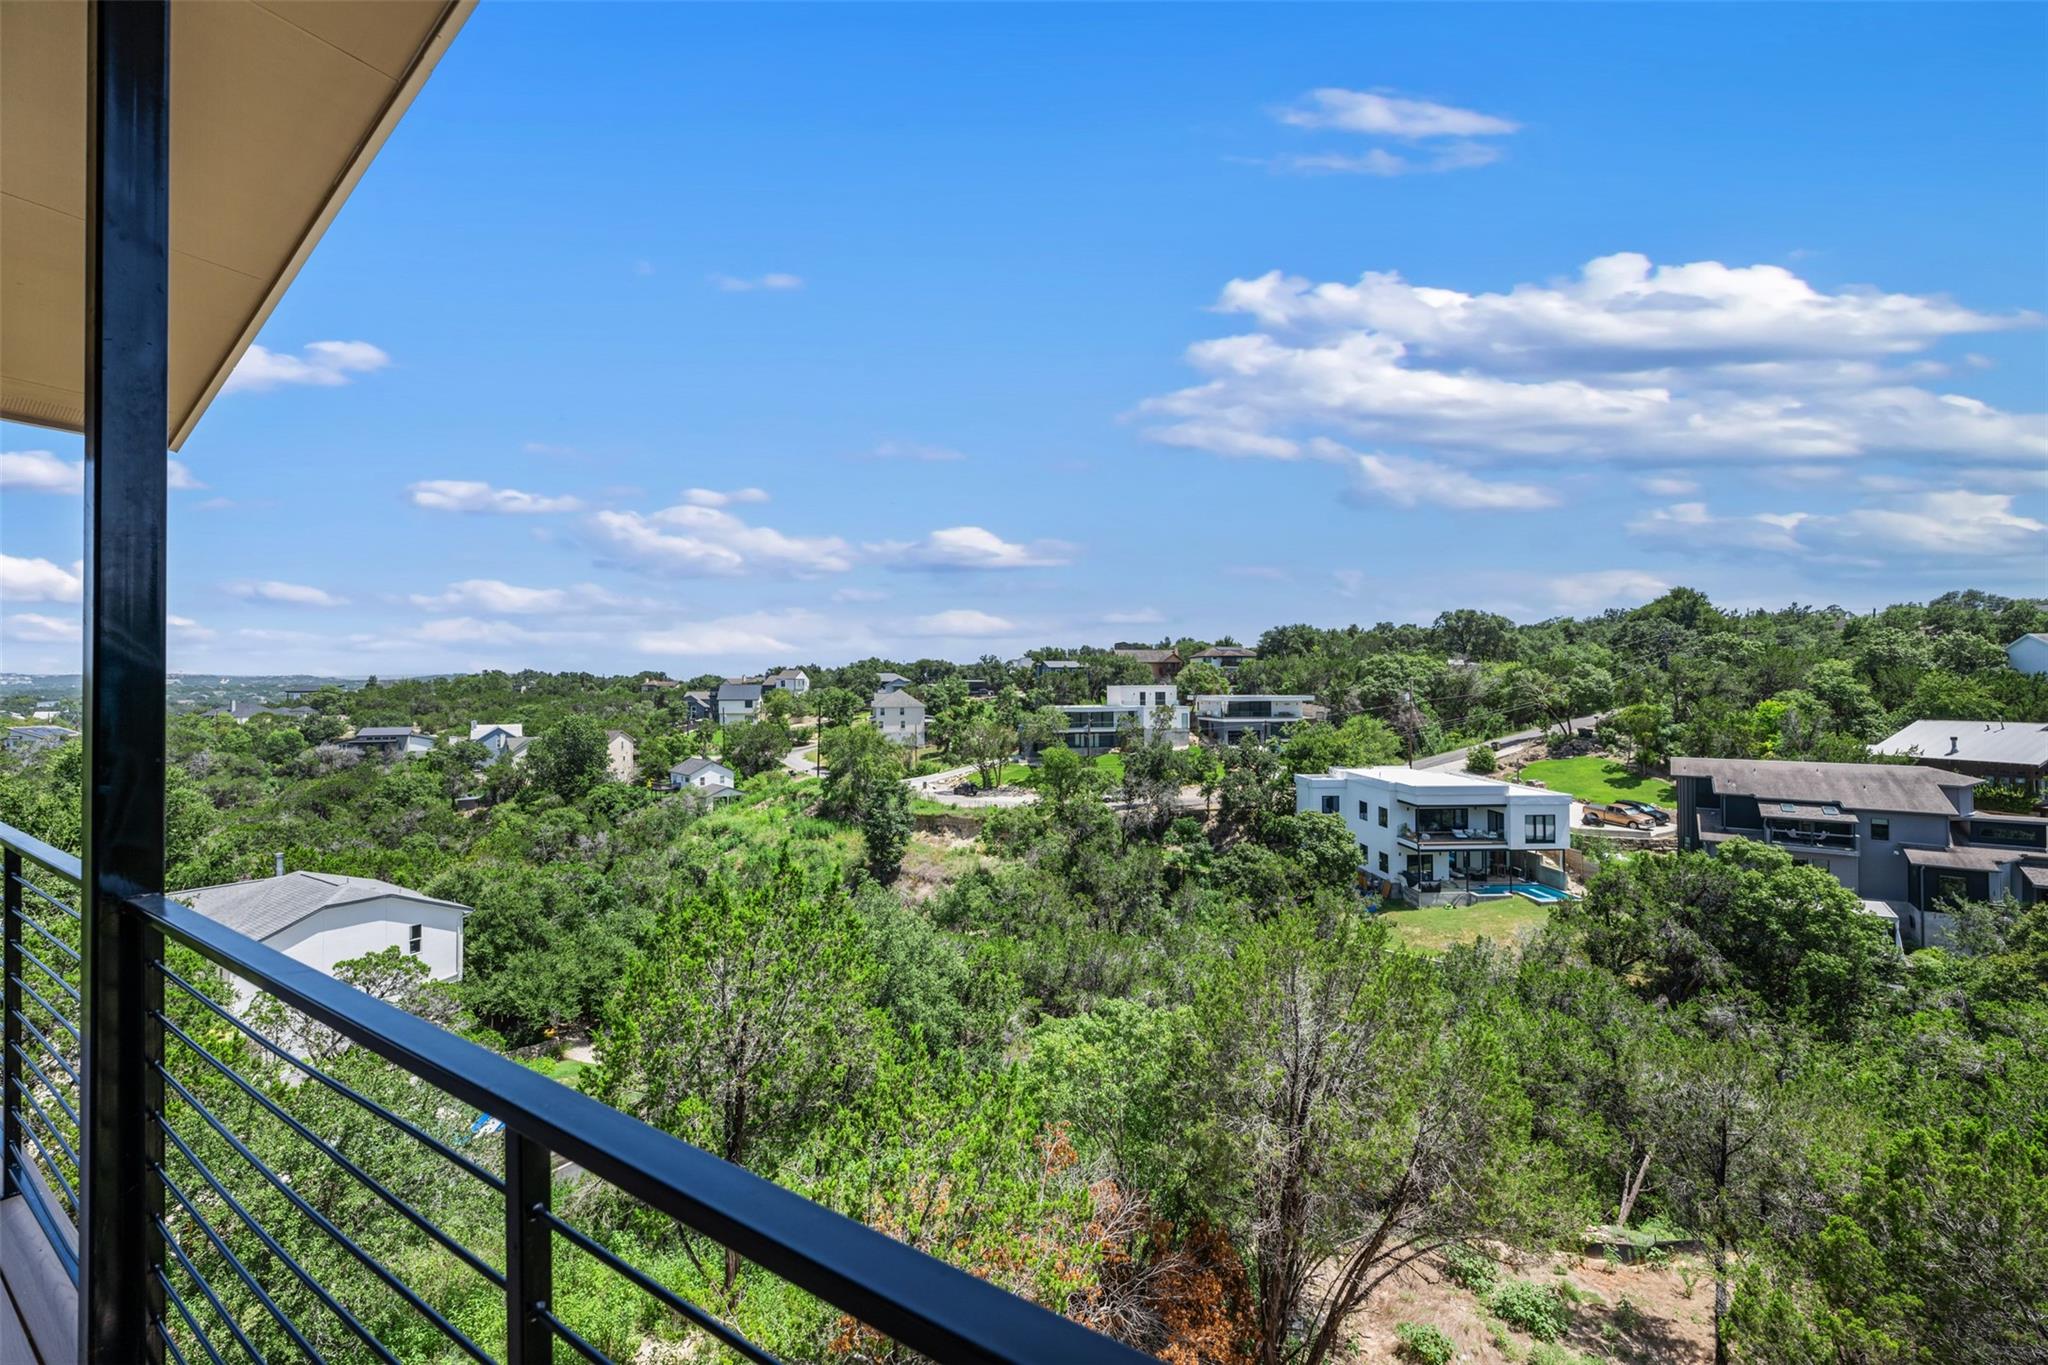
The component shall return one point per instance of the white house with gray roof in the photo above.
(899, 716)
(706, 777)
(794, 681)
(324, 919)
(2029, 653)
(738, 702)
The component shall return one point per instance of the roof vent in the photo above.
(1953, 744)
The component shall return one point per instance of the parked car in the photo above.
(1658, 815)
(966, 789)
(1615, 815)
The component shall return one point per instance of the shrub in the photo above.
(1426, 1343)
(1545, 1353)
(1470, 1268)
(1534, 1308)
(1481, 760)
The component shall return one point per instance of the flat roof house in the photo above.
(1226, 657)
(1094, 729)
(387, 741)
(324, 919)
(1901, 836)
(1224, 718)
(899, 716)
(2000, 751)
(1428, 835)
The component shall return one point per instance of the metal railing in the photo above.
(368, 1245)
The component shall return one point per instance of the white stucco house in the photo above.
(1154, 708)
(2029, 653)
(899, 716)
(621, 756)
(1420, 828)
(323, 919)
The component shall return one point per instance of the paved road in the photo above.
(939, 787)
(1456, 757)
(801, 761)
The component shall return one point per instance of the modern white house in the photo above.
(1154, 708)
(388, 741)
(1224, 718)
(621, 756)
(2029, 653)
(323, 919)
(899, 716)
(737, 702)
(705, 776)
(794, 681)
(1424, 833)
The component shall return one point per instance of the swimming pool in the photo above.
(1535, 891)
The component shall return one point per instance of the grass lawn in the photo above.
(1600, 779)
(1437, 928)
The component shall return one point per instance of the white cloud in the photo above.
(1383, 114)
(32, 628)
(39, 471)
(912, 450)
(500, 598)
(1406, 483)
(271, 590)
(774, 281)
(2008, 479)
(972, 548)
(962, 623)
(1668, 485)
(322, 364)
(1942, 524)
(696, 540)
(39, 580)
(711, 497)
(185, 628)
(1579, 594)
(467, 495)
(1693, 363)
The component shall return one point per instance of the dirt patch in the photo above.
(933, 861)
(1637, 1314)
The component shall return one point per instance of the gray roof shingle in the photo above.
(270, 905)
(1908, 789)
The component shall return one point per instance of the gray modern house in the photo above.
(1904, 838)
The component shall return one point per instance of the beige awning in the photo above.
(277, 107)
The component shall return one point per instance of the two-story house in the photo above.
(794, 681)
(1229, 658)
(1904, 838)
(899, 716)
(1426, 832)
(1153, 708)
(890, 682)
(500, 741)
(698, 707)
(1222, 718)
(704, 777)
(621, 756)
(737, 702)
(1164, 663)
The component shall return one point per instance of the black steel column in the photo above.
(529, 1252)
(126, 417)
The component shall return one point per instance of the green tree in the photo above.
(1481, 761)
(569, 758)
(885, 827)
(755, 746)
(1202, 679)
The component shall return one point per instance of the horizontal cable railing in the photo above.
(340, 1179)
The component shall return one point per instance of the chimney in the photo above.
(1953, 745)
(277, 862)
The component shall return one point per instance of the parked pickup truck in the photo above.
(1616, 815)
(1658, 815)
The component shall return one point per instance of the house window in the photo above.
(1330, 805)
(1383, 862)
(1383, 816)
(1363, 808)
(1539, 829)
(1881, 831)
(413, 941)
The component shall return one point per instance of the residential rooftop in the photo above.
(2019, 744)
(1910, 789)
(270, 905)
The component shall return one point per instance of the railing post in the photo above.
(529, 1251)
(10, 1073)
(127, 283)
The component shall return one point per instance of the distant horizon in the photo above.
(822, 332)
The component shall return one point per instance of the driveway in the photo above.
(939, 787)
(1456, 757)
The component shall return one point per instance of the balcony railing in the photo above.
(357, 1251)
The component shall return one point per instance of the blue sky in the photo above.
(722, 337)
